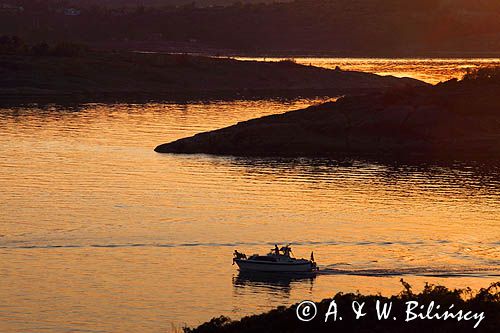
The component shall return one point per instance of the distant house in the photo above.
(117, 12)
(10, 9)
(155, 36)
(72, 12)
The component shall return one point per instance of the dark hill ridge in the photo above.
(360, 28)
(457, 119)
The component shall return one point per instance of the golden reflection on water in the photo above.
(428, 70)
(98, 232)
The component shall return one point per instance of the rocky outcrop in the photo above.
(454, 119)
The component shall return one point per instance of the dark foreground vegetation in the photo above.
(331, 27)
(29, 72)
(455, 119)
(283, 319)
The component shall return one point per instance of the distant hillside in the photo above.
(338, 27)
(151, 3)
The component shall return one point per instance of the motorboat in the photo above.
(274, 280)
(277, 260)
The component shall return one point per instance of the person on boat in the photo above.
(239, 255)
(276, 249)
(286, 250)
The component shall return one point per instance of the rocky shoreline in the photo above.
(456, 119)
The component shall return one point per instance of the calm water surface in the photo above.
(428, 70)
(100, 234)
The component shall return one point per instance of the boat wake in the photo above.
(487, 270)
(414, 271)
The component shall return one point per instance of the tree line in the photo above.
(368, 27)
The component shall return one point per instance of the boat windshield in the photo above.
(264, 258)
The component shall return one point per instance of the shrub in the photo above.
(11, 45)
(289, 61)
(282, 319)
(491, 73)
(40, 49)
(182, 60)
(66, 49)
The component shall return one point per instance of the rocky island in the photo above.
(455, 119)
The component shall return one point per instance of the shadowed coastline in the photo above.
(283, 319)
(455, 119)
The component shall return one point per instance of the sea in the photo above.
(98, 233)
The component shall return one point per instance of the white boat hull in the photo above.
(255, 266)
